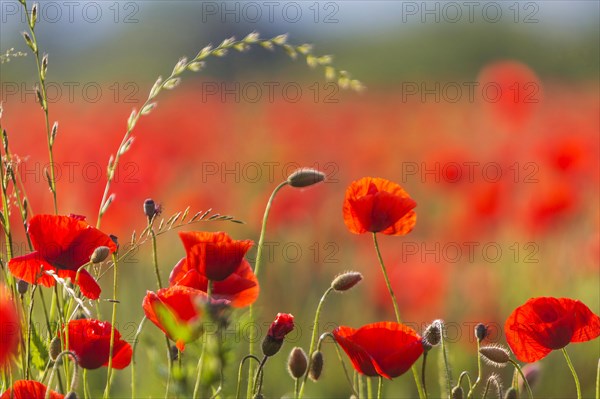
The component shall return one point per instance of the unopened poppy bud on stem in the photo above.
(22, 286)
(345, 281)
(511, 393)
(149, 208)
(305, 177)
(432, 335)
(281, 326)
(495, 355)
(297, 362)
(54, 348)
(457, 393)
(316, 366)
(481, 331)
(100, 254)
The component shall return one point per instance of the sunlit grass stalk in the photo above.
(575, 377)
(598, 380)
(397, 312)
(313, 339)
(379, 386)
(112, 330)
(445, 364)
(43, 98)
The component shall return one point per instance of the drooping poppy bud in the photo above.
(345, 281)
(305, 177)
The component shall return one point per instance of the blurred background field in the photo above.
(507, 186)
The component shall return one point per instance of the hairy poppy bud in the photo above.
(457, 393)
(495, 355)
(481, 331)
(345, 281)
(149, 208)
(270, 345)
(297, 362)
(316, 366)
(100, 254)
(511, 393)
(432, 335)
(22, 286)
(305, 177)
(54, 348)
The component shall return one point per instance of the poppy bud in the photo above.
(22, 286)
(345, 281)
(495, 355)
(297, 362)
(316, 366)
(432, 334)
(54, 348)
(100, 254)
(511, 393)
(270, 345)
(305, 177)
(457, 393)
(481, 331)
(72, 395)
(149, 208)
(532, 374)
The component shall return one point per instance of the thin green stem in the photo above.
(379, 387)
(446, 363)
(396, 311)
(112, 330)
(257, 384)
(296, 387)
(133, 361)
(369, 388)
(313, 339)
(598, 380)
(257, 267)
(240, 369)
(155, 259)
(423, 369)
(525, 382)
(200, 365)
(479, 373)
(575, 377)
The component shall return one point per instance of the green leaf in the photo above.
(38, 351)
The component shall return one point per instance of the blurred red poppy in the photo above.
(62, 244)
(89, 339)
(215, 255)
(183, 307)
(240, 288)
(378, 205)
(26, 389)
(544, 324)
(9, 327)
(387, 349)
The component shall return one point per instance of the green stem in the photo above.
(240, 369)
(396, 311)
(525, 382)
(479, 373)
(257, 265)
(379, 387)
(155, 259)
(369, 388)
(112, 330)
(313, 339)
(447, 372)
(423, 368)
(575, 377)
(209, 288)
(257, 386)
(135, 342)
(598, 380)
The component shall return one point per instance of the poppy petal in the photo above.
(87, 284)
(587, 324)
(31, 268)
(26, 389)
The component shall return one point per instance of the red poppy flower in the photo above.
(214, 255)
(544, 324)
(281, 326)
(89, 339)
(26, 389)
(62, 244)
(184, 307)
(387, 349)
(378, 206)
(240, 288)
(9, 327)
